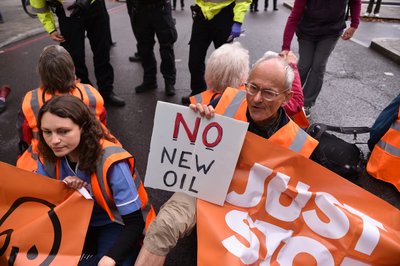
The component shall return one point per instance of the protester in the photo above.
(154, 18)
(228, 66)
(216, 22)
(57, 75)
(268, 88)
(83, 18)
(75, 149)
(318, 26)
(384, 143)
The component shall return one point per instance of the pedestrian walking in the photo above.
(83, 18)
(254, 6)
(154, 18)
(370, 7)
(318, 26)
(217, 22)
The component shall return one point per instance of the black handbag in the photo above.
(344, 158)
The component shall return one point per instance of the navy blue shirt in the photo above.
(382, 124)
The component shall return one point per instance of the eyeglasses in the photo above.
(267, 94)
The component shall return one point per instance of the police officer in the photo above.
(153, 17)
(216, 21)
(83, 17)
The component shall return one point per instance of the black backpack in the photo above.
(344, 158)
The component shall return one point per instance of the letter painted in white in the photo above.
(276, 187)
(370, 235)
(254, 189)
(302, 244)
(248, 254)
(338, 224)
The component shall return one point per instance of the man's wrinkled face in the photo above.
(267, 83)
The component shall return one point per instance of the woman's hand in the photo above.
(348, 33)
(74, 182)
(106, 261)
(204, 110)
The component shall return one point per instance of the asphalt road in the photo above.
(359, 83)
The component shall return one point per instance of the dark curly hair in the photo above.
(89, 148)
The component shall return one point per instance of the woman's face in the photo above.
(62, 135)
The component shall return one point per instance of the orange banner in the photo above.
(283, 209)
(42, 222)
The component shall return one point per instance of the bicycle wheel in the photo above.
(26, 5)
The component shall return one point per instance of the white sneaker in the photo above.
(377, 15)
(307, 111)
(366, 14)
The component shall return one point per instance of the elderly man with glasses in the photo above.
(268, 88)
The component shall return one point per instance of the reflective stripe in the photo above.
(35, 134)
(299, 141)
(108, 151)
(41, 9)
(137, 179)
(396, 125)
(389, 148)
(92, 98)
(35, 102)
(215, 1)
(198, 98)
(233, 107)
(33, 155)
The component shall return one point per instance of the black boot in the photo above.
(146, 86)
(169, 90)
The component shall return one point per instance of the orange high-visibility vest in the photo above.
(207, 96)
(384, 162)
(204, 97)
(300, 119)
(111, 154)
(31, 105)
(233, 104)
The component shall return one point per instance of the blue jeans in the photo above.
(312, 65)
(99, 240)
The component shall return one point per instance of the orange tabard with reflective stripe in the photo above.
(384, 162)
(31, 105)
(233, 104)
(113, 153)
(204, 97)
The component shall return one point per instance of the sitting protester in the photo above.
(75, 149)
(228, 66)
(268, 89)
(384, 143)
(57, 74)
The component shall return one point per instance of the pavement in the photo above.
(18, 25)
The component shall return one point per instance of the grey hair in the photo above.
(228, 66)
(289, 73)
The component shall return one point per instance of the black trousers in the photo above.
(150, 21)
(95, 25)
(131, 6)
(217, 31)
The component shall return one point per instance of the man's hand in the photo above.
(79, 8)
(56, 36)
(146, 258)
(204, 110)
(106, 261)
(348, 33)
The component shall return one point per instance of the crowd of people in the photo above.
(62, 124)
